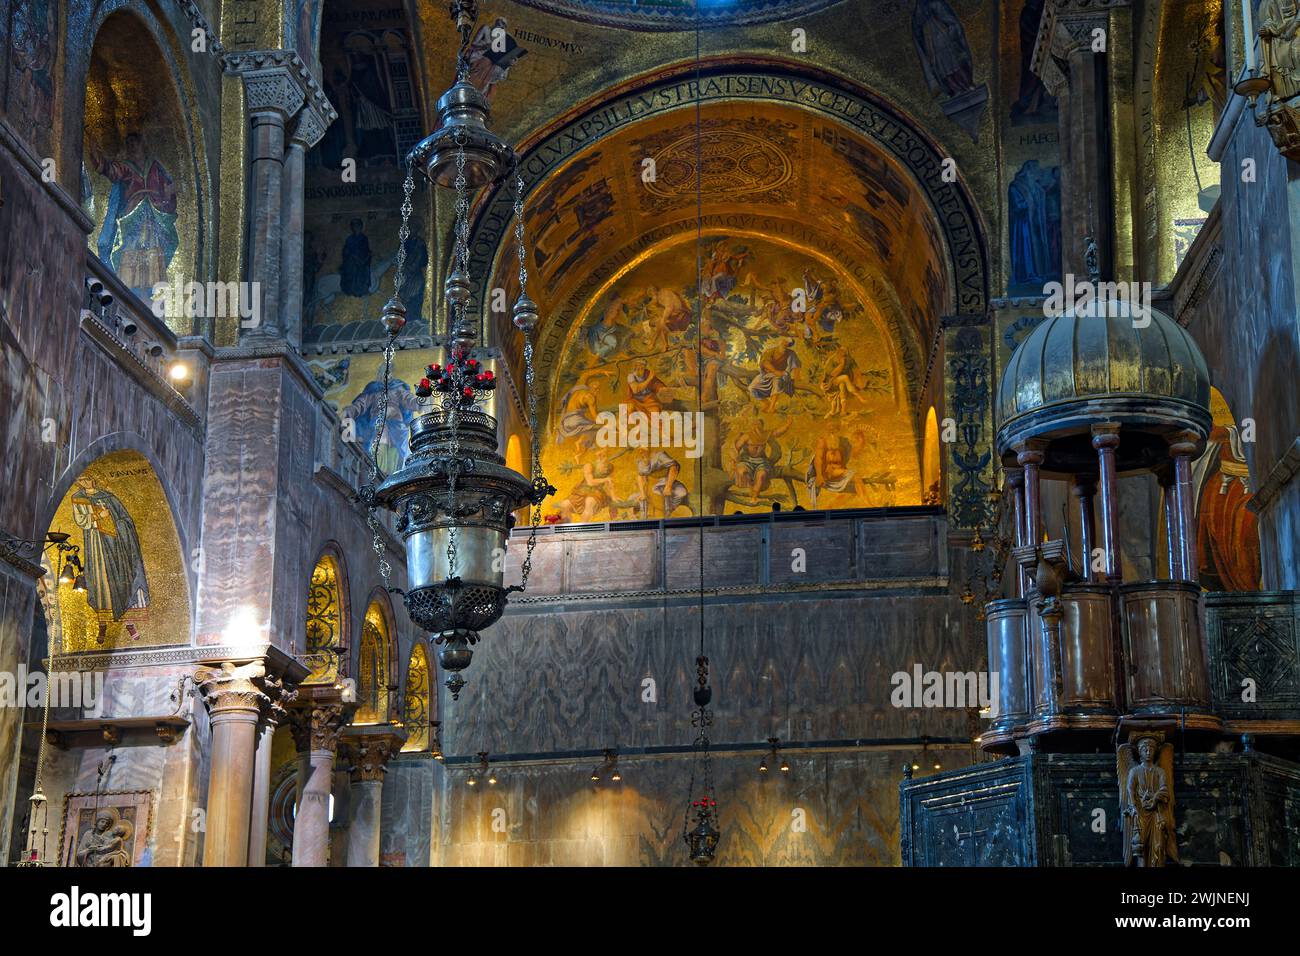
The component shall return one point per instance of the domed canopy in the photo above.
(1105, 362)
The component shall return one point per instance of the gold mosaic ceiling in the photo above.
(768, 171)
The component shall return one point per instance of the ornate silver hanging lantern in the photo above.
(454, 497)
(702, 839)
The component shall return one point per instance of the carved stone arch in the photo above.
(817, 182)
(753, 81)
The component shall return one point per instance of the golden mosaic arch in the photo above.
(131, 589)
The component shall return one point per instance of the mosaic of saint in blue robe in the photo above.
(402, 408)
(1034, 222)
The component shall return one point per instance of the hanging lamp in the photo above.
(701, 837)
(454, 497)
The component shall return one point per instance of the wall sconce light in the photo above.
(436, 727)
(607, 769)
(926, 759)
(179, 373)
(72, 570)
(770, 759)
(482, 772)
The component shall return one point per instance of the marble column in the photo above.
(1030, 457)
(1183, 448)
(234, 696)
(288, 113)
(1083, 487)
(368, 750)
(1105, 439)
(275, 714)
(307, 132)
(1173, 552)
(1016, 482)
(311, 828)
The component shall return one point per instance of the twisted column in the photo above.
(311, 829)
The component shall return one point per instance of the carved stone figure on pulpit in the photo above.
(1279, 34)
(1147, 801)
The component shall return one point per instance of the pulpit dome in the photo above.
(1104, 363)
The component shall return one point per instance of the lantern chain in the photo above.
(372, 519)
(455, 324)
(535, 514)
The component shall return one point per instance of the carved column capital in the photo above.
(368, 749)
(278, 698)
(1066, 30)
(1030, 453)
(232, 686)
(1105, 436)
(279, 81)
(1186, 444)
(317, 725)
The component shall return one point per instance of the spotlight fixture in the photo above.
(608, 768)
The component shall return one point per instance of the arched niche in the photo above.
(1183, 88)
(374, 666)
(417, 705)
(128, 586)
(326, 614)
(138, 170)
(931, 458)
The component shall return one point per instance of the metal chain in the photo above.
(535, 515)
(404, 233)
(372, 519)
(454, 323)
